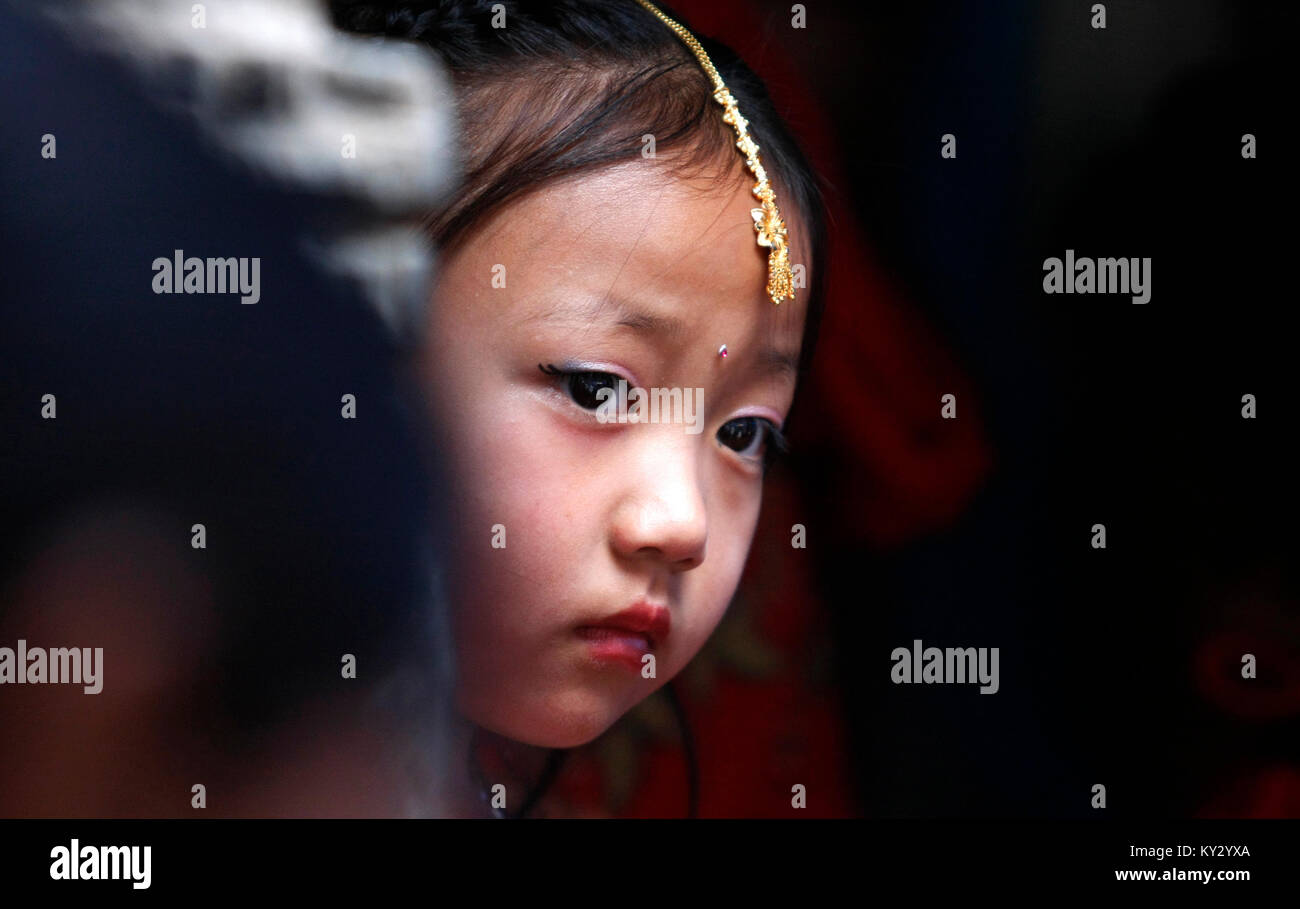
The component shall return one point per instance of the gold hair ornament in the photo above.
(767, 220)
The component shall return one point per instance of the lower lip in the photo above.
(616, 645)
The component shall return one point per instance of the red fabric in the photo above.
(1269, 699)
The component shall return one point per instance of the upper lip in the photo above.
(649, 619)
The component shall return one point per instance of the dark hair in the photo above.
(553, 90)
(571, 86)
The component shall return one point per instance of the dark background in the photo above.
(1119, 666)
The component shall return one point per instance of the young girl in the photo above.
(618, 242)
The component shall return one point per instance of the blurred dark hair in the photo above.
(572, 86)
(175, 411)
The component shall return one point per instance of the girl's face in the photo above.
(562, 522)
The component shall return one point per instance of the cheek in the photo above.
(528, 518)
(732, 520)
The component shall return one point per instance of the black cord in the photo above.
(688, 747)
(554, 761)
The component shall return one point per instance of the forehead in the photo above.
(639, 231)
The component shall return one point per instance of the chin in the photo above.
(566, 721)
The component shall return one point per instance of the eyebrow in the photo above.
(782, 362)
(648, 323)
(670, 328)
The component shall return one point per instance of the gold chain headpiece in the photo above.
(767, 220)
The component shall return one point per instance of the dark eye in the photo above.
(749, 436)
(585, 387)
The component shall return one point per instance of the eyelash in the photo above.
(775, 444)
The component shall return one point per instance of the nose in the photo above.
(662, 513)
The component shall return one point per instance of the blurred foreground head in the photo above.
(211, 492)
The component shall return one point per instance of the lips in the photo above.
(648, 620)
